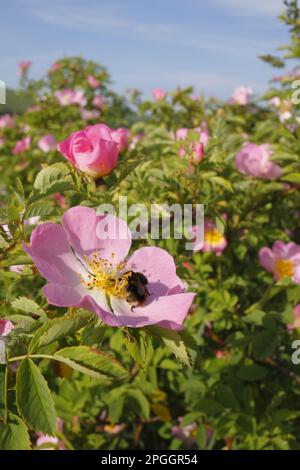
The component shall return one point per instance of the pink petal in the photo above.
(88, 232)
(266, 259)
(167, 311)
(51, 252)
(159, 268)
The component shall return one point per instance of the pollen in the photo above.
(284, 268)
(106, 275)
(213, 236)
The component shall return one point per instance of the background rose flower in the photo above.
(47, 143)
(68, 96)
(121, 136)
(6, 121)
(24, 66)
(68, 256)
(296, 322)
(53, 441)
(6, 326)
(283, 260)
(241, 96)
(254, 160)
(88, 115)
(99, 101)
(92, 150)
(159, 94)
(22, 145)
(93, 82)
(214, 240)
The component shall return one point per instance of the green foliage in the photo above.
(227, 378)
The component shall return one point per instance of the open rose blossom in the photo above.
(93, 150)
(159, 94)
(85, 263)
(68, 96)
(47, 143)
(241, 96)
(283, 260)
(214, 240)
(93, 82)
(6, 121)
(22, 145)
(254, 160)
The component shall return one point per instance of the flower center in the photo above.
(106, 275)
(284, 268)
(213, 236)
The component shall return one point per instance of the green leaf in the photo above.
(173, 341)
(34, 399)
(28, 306)
(292, 178)
(139, 403)
(252, 372)
(52, 179)
(91, 362)
(222, 182)
(264, 344)
(14, 435)
(59, 328)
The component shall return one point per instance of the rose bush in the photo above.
(143, 344)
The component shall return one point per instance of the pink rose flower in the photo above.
(283, 260)
(186, 434)
(24, 66)
(22, 145)
(6, 121)
(241, 96)
(88, 115)
(55, 66)
(53, 441)
(85, 263)
(99, 101)
(121, 136)
(93, 82)
(92, 150)
(296, 322)
(6, 326)
(159, 94)
(60, 200)
(68, 96)
(47, 143)
(197, 148)
(254, 160)
(214, 240)
(275, 101)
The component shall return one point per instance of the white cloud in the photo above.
(252, 7)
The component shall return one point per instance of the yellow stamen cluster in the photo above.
(284, 268)
(213, 236)
(106, 275)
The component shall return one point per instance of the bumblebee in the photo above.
(136, 288)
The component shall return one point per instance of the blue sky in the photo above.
(211, 44)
